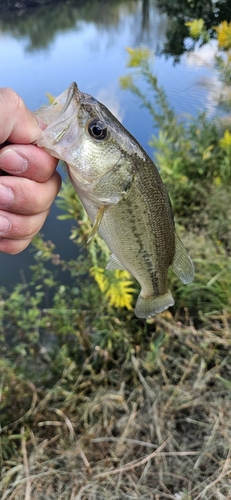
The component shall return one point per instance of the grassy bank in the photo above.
(153, 424)
(96, 404)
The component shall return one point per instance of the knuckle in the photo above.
(40, 203)
(8, 95)
(30, 199)
(30, 228)
(35, 223)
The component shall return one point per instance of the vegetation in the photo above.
(179, 13)
(96, 404)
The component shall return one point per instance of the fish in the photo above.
(122, 192)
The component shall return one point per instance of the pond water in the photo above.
(46, 48)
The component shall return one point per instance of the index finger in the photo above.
(19, 124)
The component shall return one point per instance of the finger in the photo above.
(20, 227)
(20, 125)
(27, 161)
(12, 247)
(26, 197)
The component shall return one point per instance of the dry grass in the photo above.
(143, 431)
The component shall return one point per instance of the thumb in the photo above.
(18, 124)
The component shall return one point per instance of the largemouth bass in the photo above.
(122, 192)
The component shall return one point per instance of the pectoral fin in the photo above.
(97, 222)
(115, 184)
(114, 263)
(182, 264)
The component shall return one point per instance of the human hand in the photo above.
(32, 183)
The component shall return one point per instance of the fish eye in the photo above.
(97, 130)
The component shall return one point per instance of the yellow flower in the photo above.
(120, 291)
(217, 181)
(224, 35)
(225, 142)
(196, 27)
(100, 278)
(207, 152)
(138, 56)
(116, 286)
(50, 98)
(126, 82)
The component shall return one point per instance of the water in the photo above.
(45, 49)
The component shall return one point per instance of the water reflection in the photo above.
(40, 25)
(211, 11)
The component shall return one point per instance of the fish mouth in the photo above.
(72, 93)
(62, 105)
(69, 94)
(62, 130)
(62, 136)
(61, 115)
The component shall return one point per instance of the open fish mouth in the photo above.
(60, 105)
(60, 118)
(72, 96)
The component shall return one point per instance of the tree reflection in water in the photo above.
(33, 17)
(213, 13)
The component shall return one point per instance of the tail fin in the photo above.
(147, 307)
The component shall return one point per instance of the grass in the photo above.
(156, 426)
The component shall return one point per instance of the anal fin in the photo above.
(114, 263)
(182, 264)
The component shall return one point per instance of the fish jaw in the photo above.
(62, 132)
(67, 136)
(48, 113)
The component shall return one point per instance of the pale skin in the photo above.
(32, 183)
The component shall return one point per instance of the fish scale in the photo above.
(122, 192)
